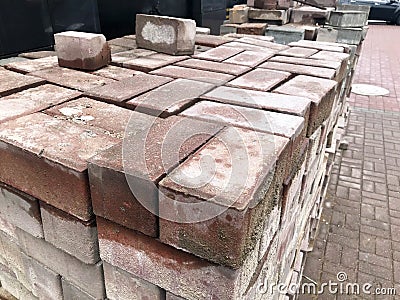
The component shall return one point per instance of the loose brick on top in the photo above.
(259, 79)
(250, 58)
(233, 195)
(33, 100)
(152, 147)
(218, 54)
(33, 65)
(298, 52)
(212, 40)
(171, 98)
(16, 82)
(212, 66)
(262, 43)
(320, 91)
(152, 62)
(193, 74)
(123, 90)
(300, 69)
(72, 78)
(47, 158)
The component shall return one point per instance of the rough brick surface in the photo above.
(299, 52)
(165, 34)
(115, 73)
(250, 58)
(33, 100)
(300, 69)
(212, 40)
(220, 67)
(28, 66)
(81, 50)
(71, 291)
(218, 54)
(50, 152)
(252, 28)
(16, 82)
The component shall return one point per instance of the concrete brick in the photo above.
(123, 42)
(119, 58)
(352, 36)
(298, 52)
(120, 285)
(220, 67)
(265, 4)
(340, 18)
(115, 73)
(271, 227)
(212, 40)
(123, 90)
(11, 284)
(252, 28)
(88, 277)
(173, 270)
(151, 62)
(70, 234)
(332, 56)
(333, 47)
(239, 14)
(38, 54)
(33, 65)
(170, 99)
(50, 153)
(224, 229)
(286, 34)
(72, 78)
(203, 30)
(71, 291)
(8, 228)
(256, 41)
(300, 69)
(293, 105)
(228, 28)
(45, 283)
(166, 34)
(143, 164)
(20, 210)
(320, 91)
(33, 100)
(260, 80)
(308, 15)
(249, 58)
(218, 54)
(16, 82)
(269, 15)
(193, 74)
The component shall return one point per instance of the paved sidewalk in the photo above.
(360, 232)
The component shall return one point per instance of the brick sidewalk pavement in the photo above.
(360, 231)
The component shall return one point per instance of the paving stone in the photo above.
(218, 54)
(320, 91)
(226, 220)
(71, 291)
(193, 74)
(6, 61)
(309, 15)
(203, 30)
(228, 28)
(152, 62)
(269, 15)
(294, 105)
(245, 46)
(341, 18)
(72, 78)
(124, 286)
(298, 52)
(331, 55)
(50, 153)
(82, 50)
(33, 65)
(16, 82)
(143, 164)
(248, 118)
(239, 14)
(256, 41)
(123, 90)
(70, 234)
(11, 284)
(333, 47)
(249, 58)
(110, 118)
(119, 58)
(116, 49)
(38, 54)
(212, 40)
(87, 277)
(20, 210)
(260, 80)
(165, 34)
(265, 4)
(252, 28)
(300, 69)
(123, 42)
(171, 98)
(116, 73)
(220, 67)
(33, 100)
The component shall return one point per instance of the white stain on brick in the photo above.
(159, 34)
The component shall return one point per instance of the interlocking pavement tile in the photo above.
(260, 79)
(212, 66)
(254, 40)
(298, 52)
(212, 40)
(33, 65)
(72, 78)
(123, 90)
(331, 55)
(16, 82)
(250, 58)
(188, 73)
(116, 73)
(218, 54)
(318, 45)
(171, 98)
(152, 62)
(300, 69)
(51, 156)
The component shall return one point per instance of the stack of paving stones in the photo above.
(70, 225)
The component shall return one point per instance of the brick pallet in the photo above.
(73, 227)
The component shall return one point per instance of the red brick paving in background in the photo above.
(360, 229)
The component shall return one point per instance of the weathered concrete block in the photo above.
(352, 36)
(20, 210)
(120, 285)
(228, 28)
(348, 18)
(165, 34)
(285, 34)
(81, 50)
(300, 69)
(239, 14)
(308, 15)
(220, 67)
(218, 54)
(12, 285)
(252, 28)
(259, 79)
(269, 15)
(265, 4)
(298, 52)
(250, 58)
(71, 291)
(203, 30)
(70, 234)
(88, 277)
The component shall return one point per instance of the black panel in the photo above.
(204, 6)
(213, 20)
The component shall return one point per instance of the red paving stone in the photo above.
(359, 233)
